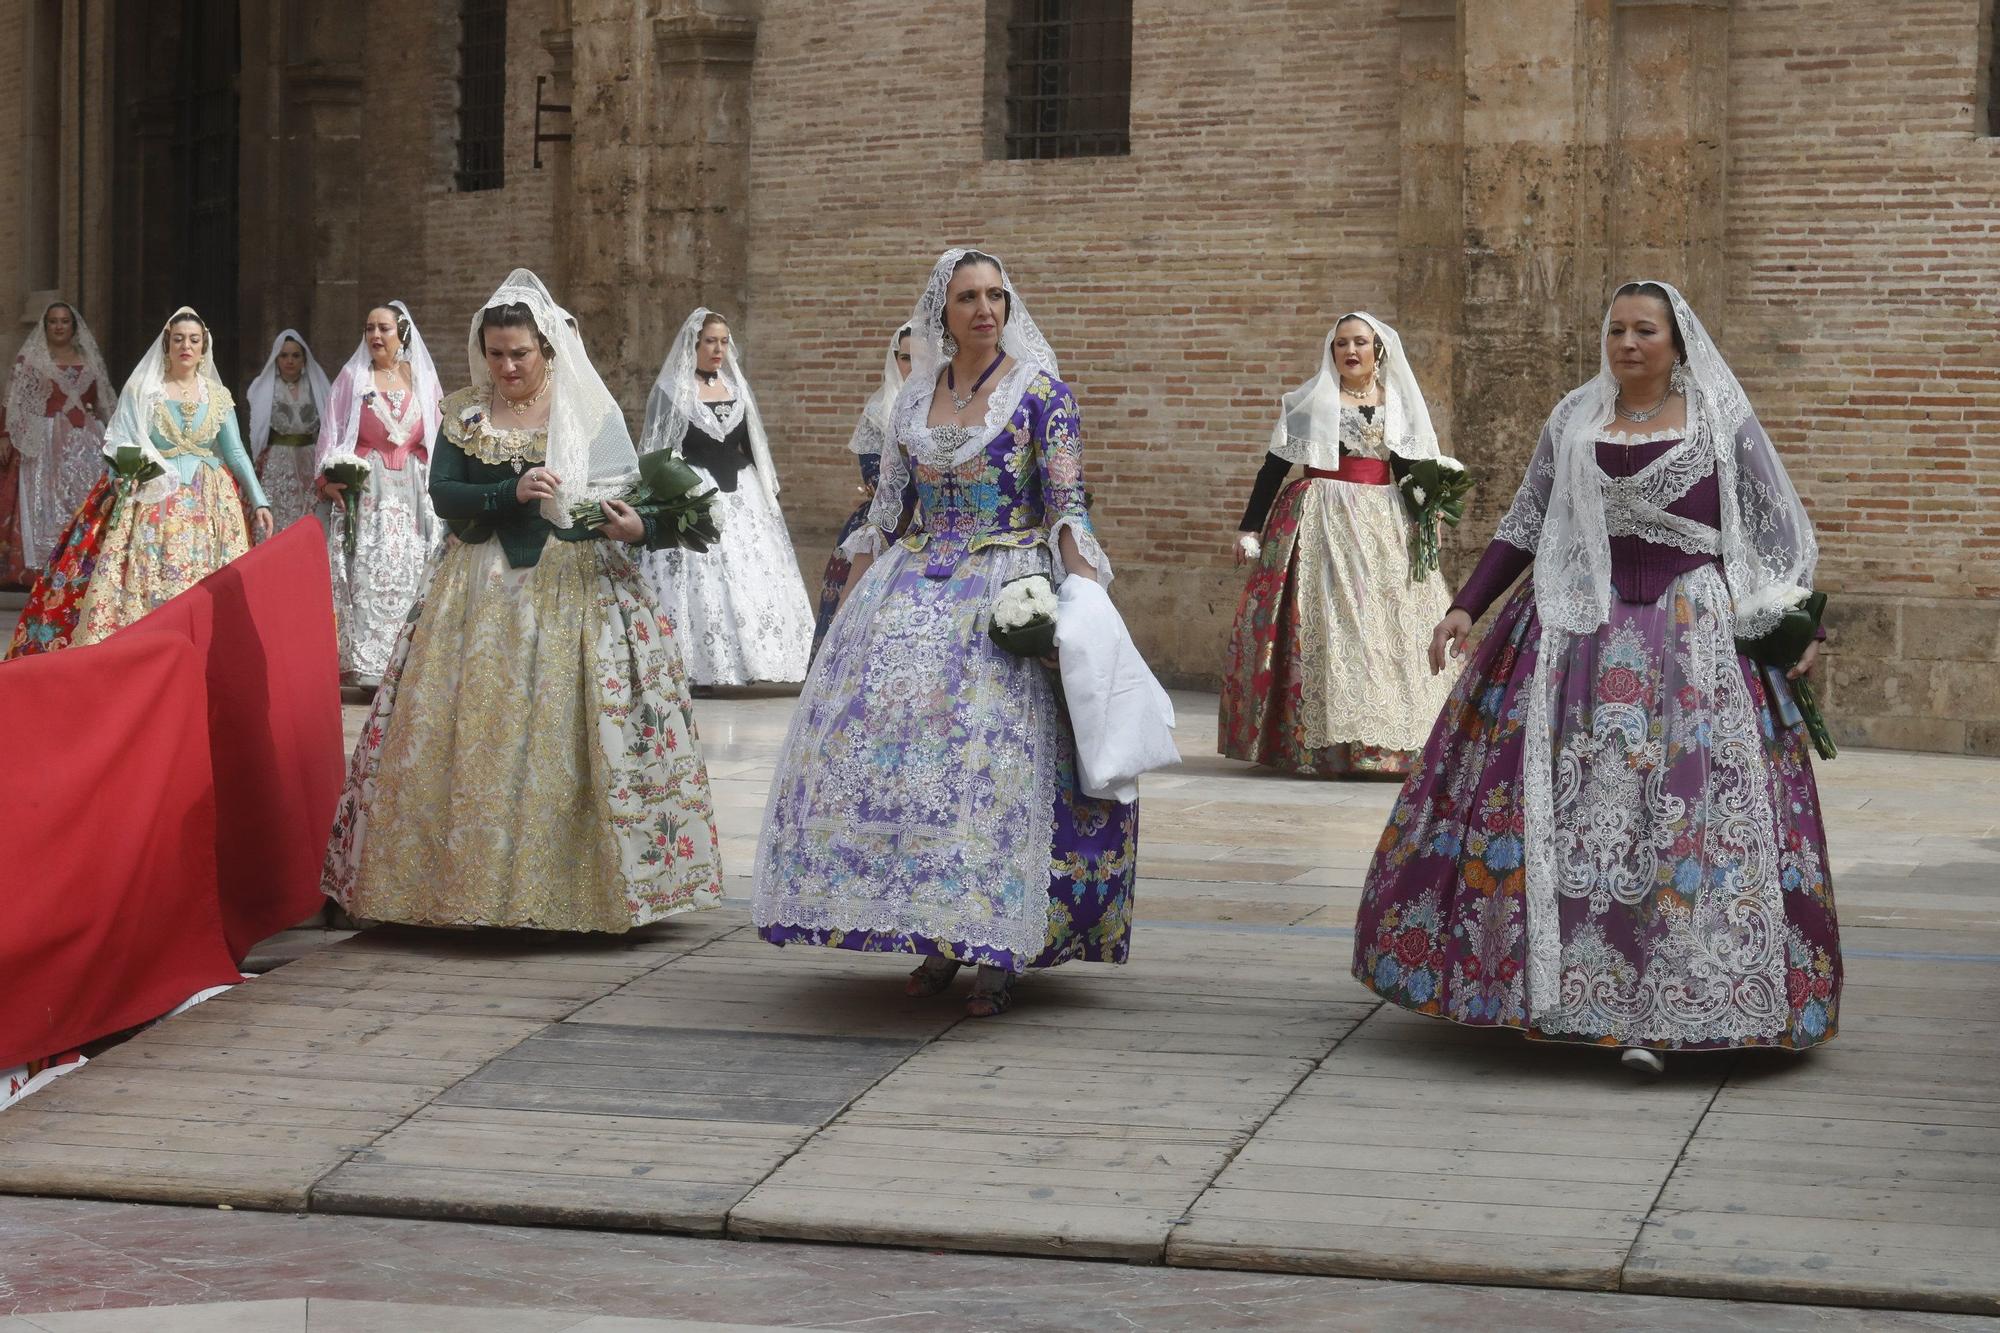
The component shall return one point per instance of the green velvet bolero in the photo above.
(475, 468)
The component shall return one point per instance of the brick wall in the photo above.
(1864, 318)
(441, 251)
(1182, 287)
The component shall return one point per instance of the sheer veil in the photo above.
(1020, 338)
(1767, 541)
(265, 387)
(35, 375)
(1308, 427)
(145, 389)
(871, 433)
(590, 447)
(675, 403)
(340, 423)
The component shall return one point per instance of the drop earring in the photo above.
(950, 345)
(1677, 382)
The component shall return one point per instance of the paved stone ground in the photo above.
(1230, 1100)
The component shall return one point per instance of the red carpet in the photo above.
(167, 796)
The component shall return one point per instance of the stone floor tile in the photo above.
(287, 1316)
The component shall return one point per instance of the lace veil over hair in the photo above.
(871, 433)
(590, 447)
(265, 387)
(145, 389)
(1308, 427)
(35, 375)
(675, 402)
(1767, 541)
(340, 422)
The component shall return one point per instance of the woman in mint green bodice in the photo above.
(134, 545)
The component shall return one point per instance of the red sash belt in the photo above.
(1361, 471)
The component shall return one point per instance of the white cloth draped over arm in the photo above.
(1123, 719)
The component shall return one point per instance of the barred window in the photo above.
(482, 94)
(1068, 78)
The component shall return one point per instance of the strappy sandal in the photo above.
(992, 992)
(932, 977)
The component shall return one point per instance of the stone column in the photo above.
(700, 216)
(611, 276)
(1670, 107)
(1430, 292)
(1536, 82)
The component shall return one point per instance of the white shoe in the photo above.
(1643, 1061)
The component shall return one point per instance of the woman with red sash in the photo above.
(1326, 674)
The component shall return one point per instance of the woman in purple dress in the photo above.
(926, 800)
(866, 444)
(1614, 834)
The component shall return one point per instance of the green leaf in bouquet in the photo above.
(1786, 642)
(665, 477)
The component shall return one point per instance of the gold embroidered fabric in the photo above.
(153, 553)
(469, 424)
(1364, 628)
(530, 758)
(171, 426)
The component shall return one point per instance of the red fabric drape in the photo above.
(108, 910)
(165, 798)
(264, 626)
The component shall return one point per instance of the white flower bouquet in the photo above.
(1024, 617)
(1434, 489)
(350, 471)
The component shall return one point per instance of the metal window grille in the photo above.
(482, 94)
(1069, 78)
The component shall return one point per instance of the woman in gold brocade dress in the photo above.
(530, 758)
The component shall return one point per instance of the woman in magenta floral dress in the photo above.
(1614, 834)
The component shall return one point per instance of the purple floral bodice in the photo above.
(1024, 483)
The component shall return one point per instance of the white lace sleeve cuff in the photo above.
(1086, 546)
(865, 540)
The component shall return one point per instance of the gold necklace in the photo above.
(521, 405)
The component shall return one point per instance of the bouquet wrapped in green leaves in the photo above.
(134, 467)
(1435, 489)
(350, 471)
(1024, 617)
(1779, 649)
(671, 494)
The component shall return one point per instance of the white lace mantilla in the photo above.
(1602, 822)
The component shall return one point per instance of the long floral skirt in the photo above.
(835, 579)
(286, 471)
(1327, 672)
(530, 757)
(739, 607)
(395, 536)
(54, 485)
(16, 570)
(56, 601)
(152, 553)
(926, 798)
(1659, 880)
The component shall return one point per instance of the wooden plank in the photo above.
(548, 1199)
(934, 1218)
(1427, 1255)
